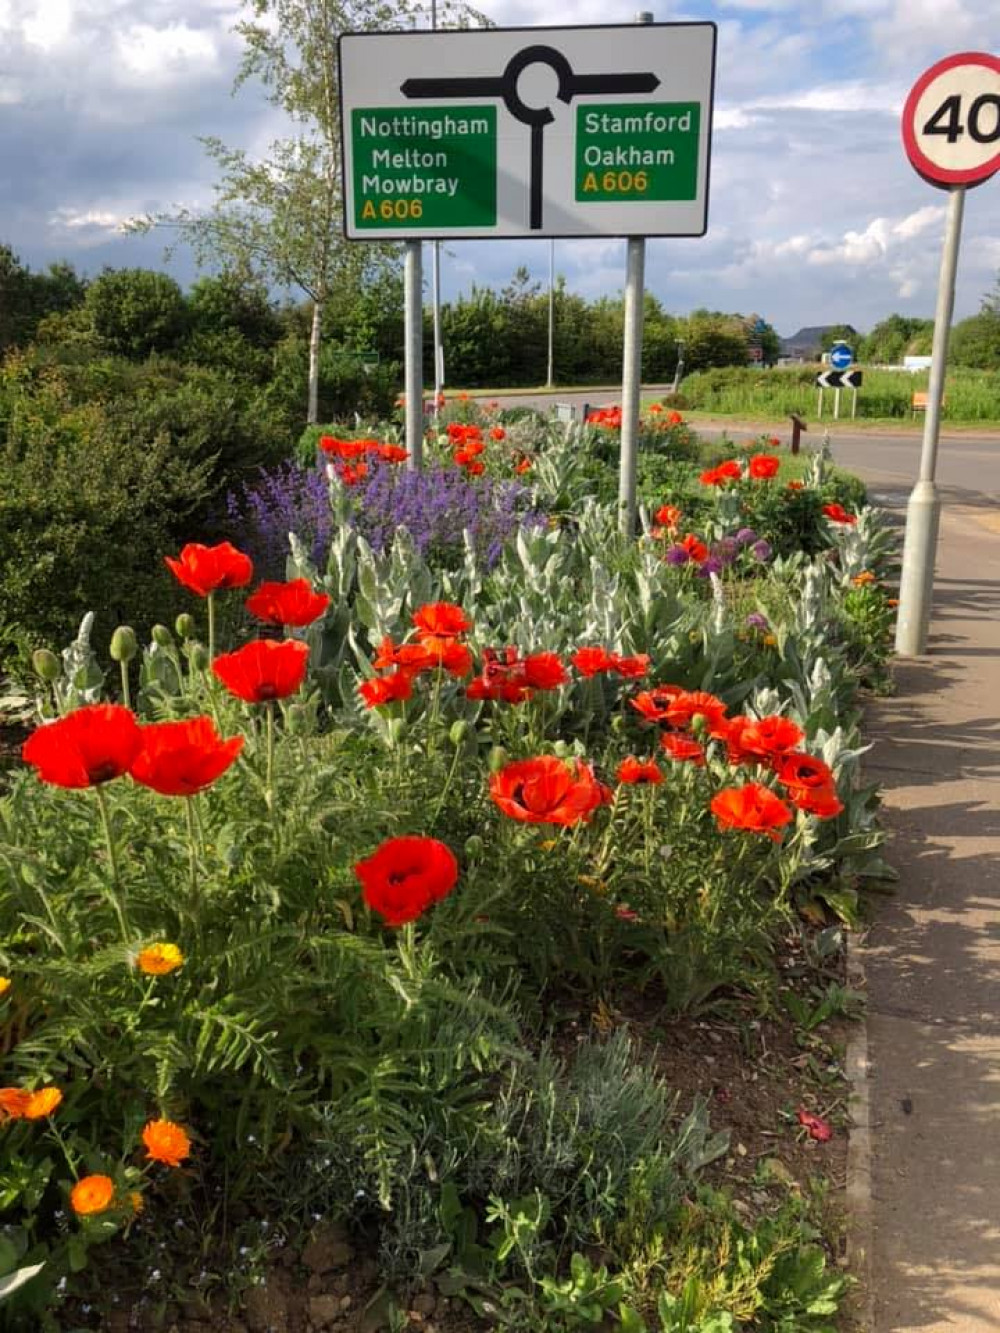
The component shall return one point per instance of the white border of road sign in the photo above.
(679, 58)
(958, 151)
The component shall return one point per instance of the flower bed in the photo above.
(298, 938)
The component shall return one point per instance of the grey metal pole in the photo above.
(413, 352)
(549, 379)
(923, 513)
(635, 274)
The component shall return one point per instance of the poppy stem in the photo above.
(102, 805)
(269, 771)
(126, 699)
(192, 845)
(211, 629)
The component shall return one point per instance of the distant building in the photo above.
(806, 345)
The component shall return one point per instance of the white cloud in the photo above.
(74, 220)
(916, 223)
(162, 55)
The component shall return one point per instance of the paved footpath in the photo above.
(933, 958)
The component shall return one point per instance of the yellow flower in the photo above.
(92, 1194)
(5, 985)
(770, 640)
(137, 1201)
(159, 959)
(865, 577)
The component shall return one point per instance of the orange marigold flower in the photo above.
(92, 1194)
(632, 771)
(166, 1142)
(42, 1103)
(158, 959)
(863, 579)
(14, 1102)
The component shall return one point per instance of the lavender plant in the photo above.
(280, 500)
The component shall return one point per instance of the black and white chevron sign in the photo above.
(839, 379)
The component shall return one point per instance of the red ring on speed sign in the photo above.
(927, 166)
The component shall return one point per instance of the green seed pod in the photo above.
(185, 626)
(123, 644)
(561, 748)
(46, 664)
(459, 731)
(474, 847)
(397, 729)
(497, 759)
(198, 656)
(617, 724)
(162, 636)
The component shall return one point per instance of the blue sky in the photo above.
(816, 216)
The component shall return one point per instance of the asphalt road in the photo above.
(968, 465)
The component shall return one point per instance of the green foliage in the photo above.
(136, 311)
(27, 298)
(895, 337)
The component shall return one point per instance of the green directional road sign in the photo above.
(627, 152)
(426, 166)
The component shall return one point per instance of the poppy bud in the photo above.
(397, 729)
(459, 731)
(497, 759)
(197, 656)
(474, 847)
(123, 644)
(561, 748)
(185, 626)
(46, 664)
(162, 636)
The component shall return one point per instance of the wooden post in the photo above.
(798, 426)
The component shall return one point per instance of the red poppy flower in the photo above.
(675, 419)
(544, 671)
(414, 658)
(505, 691)
(697, 551)
(522, 466)
(351, 473)
(718, 476)
(796, 485)
(823, 802)
(181, 758)
(386, 689)
(86, 747)
(475, 469)
(764, 466)
(547, 791)
(653, 704)
(687, 706)
(668, 516)
(440, 620)
(798, 769)
(752, 808)
(292, 603)
(819, 1129)
(498, 433)
(591, 661)
(730, 730)
(205, 569)
(768, 737)
(632, 770)
(392, 453)
(838, 514)
(404, 876)
(344, 449)
(682, 748)
(263, 670)
(630, 668)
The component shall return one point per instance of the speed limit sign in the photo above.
(951, 121)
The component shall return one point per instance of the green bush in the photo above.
(135, 311)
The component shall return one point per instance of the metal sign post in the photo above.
(951, 132)
(413, 352)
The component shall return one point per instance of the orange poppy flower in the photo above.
(631, 668)
(547, 791)
(592, 661)
(795, 768)
(206, 569)
(544, 671)
(14, 1102)
(92, 1194)
(718, 476)
(682, 748)
(697, 551)
(668, 516)
(768, 737)
(653, 704)
(752, 808)
(166, 1142)
(796, 485)
(42, 1103)
(441, 620)
(386, 689)
(392, 453)
(687, 706)
(498, 433)
(823, 801)
(91, 745)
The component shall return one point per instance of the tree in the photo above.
(135, 311)
(27, 298)
(895, 337)
(280, 217)
(839, 333)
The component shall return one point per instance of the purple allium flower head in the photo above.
(755, 620)
(761, 550)
(725, 550)
(745, 536)
(713, 565)
(676, 555)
